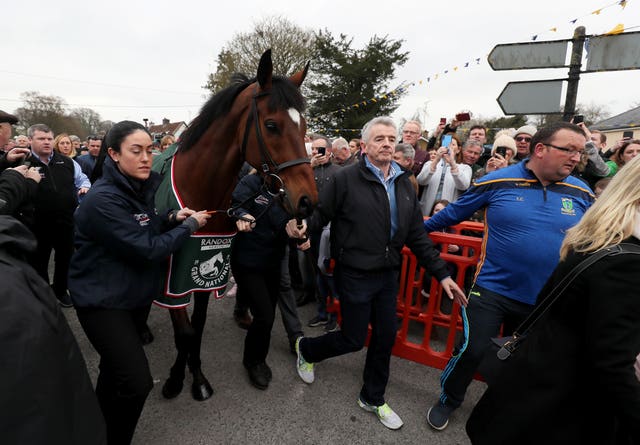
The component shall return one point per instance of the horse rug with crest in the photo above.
(202, 264)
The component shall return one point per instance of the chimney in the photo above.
(165, 121)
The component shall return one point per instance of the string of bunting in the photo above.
(618, 28)
(471, 62)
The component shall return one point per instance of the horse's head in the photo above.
(273, 136)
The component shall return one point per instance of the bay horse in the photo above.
(259, 121)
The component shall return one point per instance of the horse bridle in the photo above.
(268, 165)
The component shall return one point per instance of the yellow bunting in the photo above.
(597, 12)
(618, 29)
(554, 29)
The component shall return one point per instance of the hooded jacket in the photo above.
(121, 243)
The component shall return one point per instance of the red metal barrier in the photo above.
(428, 330)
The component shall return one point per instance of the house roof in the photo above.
(169, 128)
(628, 119)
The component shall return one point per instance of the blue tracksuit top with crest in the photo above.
(525, 223)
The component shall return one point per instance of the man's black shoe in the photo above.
(64, 300)
(260, 375)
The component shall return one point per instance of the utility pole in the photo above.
(574, 73)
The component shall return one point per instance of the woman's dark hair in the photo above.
(113, 140)
(444, 202)
(617, 156)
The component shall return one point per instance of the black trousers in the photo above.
(124, 380)
(481, 318)
(365, 297)
(260, 288)
(58, 237)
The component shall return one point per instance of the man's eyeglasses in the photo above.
(569, 151)
(523, 139)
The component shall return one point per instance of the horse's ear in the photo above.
(265, 70)
(298, 77)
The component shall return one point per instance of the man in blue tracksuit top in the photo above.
(528, 208)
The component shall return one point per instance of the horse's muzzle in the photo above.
(305, 207)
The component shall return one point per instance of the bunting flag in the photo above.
(618, 29)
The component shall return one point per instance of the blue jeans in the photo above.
(326, 287)
(481, 318)
(365, 297)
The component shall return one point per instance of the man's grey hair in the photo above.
(316, 136)
(381, 120)
(472, 143)
(340, 143)
(415, 123)
(74, 138)
(408, 152)
(38, 127)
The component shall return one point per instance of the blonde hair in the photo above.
(56, 143)
(612, 218)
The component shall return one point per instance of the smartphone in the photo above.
(578, 119)
(461, 117)
(446, 140)
(443, 120)
(502, 151)
(322, 150)
(627, 134)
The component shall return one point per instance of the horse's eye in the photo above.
(271, 126)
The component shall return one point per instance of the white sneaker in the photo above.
(305, 369)
(385, 414)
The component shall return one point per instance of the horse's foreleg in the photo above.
(201, 388)
(183, 335)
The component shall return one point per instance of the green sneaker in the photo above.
(305, 369)
(385, 414)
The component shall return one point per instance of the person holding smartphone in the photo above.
(503, 150)
(443, 176)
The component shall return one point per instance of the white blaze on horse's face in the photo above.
(294, 115)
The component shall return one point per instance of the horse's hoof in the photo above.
(171, 388)
(201, 390)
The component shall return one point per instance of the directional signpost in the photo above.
(611, 53)
(534, 97)
(518, 56)
(605, 53)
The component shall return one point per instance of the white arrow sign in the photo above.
(610, 53)
(515, 56)
(533, 97)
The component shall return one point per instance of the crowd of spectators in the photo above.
(374, 194)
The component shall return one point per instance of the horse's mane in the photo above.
(283, 95)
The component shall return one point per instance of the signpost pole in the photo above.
(574, 73)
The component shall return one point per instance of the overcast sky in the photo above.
(149, 59)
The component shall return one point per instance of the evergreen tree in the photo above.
(342, 76)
